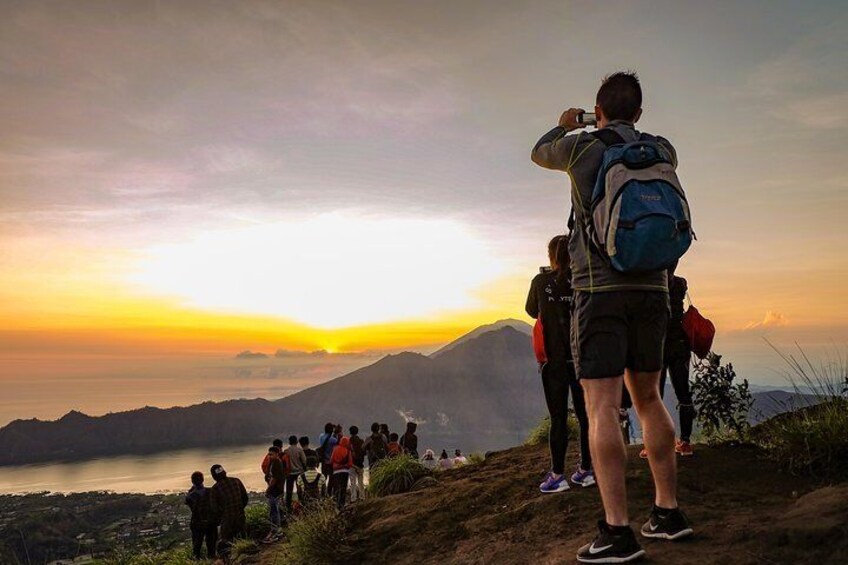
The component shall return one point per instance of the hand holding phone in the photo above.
(587, 119)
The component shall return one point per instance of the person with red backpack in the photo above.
(342, 461)
(677, 358)
(549, 302)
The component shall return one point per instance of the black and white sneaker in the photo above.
(667, 524)
(611, 548)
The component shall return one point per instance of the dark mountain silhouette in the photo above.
(523, 327)
(481, 394)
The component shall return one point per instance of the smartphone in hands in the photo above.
(587, 118)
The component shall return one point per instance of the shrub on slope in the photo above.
(396, 475)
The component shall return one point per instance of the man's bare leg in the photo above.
(609, 456)
(658, 433)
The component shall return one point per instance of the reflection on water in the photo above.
(169, 471)
(159, 472)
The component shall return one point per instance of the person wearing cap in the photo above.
(228, 499)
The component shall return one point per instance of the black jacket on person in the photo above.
(676, 342)
(551, 299)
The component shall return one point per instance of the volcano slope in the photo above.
(744, 510)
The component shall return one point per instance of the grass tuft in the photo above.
(813, 439)
(319, 535)
(395, 475)
(539, 435)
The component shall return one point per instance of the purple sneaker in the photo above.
(552, 484)
(583, 478)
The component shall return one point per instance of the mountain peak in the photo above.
(512, 323)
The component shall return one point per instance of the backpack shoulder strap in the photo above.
(608, 136)
(647, 137)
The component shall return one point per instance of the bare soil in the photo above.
(744, 510)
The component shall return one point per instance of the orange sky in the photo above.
(179, 179)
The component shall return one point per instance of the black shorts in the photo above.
(613, 331)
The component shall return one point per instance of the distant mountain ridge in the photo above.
(481, 393)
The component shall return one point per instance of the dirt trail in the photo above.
(743, 509)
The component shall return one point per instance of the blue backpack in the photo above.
(639, 215)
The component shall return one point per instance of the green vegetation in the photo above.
(179, 556)
(539, 434)
(319, 535)
(476, 458)
(723, 404)
(257, 523)
(241, 548)
(812, 439)
(396, 475)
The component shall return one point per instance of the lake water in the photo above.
(169, 471)
(159, 472)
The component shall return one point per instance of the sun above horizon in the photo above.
(328, 271)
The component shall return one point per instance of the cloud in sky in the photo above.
(772, 319)
(140, 125)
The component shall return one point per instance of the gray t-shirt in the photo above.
(580, 155)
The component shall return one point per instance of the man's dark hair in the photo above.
(273, 449)
(393, 437)
(292, 440)
(620, 96)
(328, 428)
(277, 442)
(304, 441)
(354, 430)
(375, 427)
(197, 478)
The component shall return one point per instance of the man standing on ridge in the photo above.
(228, 499)
(618, 328)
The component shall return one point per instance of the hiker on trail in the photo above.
(203, 525)
(326, 442)
(409, 441)
(357, 472)
(311, 484)
(307, 451)
(375, 446)
(266, 461)
(445, 462)
(342, 462)
(429, 460)
(549, 302)
(459, 458)
(297, 465)
(621, 304)
(276, 484)
(394, 449)
(384, 429)
(677, 357)
(228, 499)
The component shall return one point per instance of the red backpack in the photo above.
(699, 330)
(539, 341)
